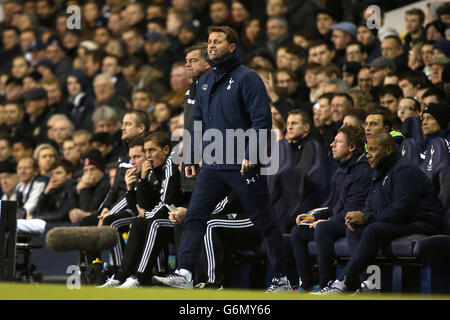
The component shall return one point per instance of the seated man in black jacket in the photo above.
(401, 201)
(350, 185)
(151, 193)
(121, 219)
(59, 196)
(91, 189)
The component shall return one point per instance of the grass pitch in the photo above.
(19, 291)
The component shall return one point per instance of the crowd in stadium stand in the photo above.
(76, 101)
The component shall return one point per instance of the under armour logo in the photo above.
(252, 180)
(230, 83)
(204, 87)
(403, 151)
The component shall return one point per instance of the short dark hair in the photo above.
(346, 96)
(433, 91)
(397, 40)
(384, 113)
(141, 90)
(136, 31)
(141, 118)
(230, 33)
(297, 50)
(312, 66)
(109, 55)
(359, 44)
(138, 141)
(328, 44)
(391, 89)
(25, 141)
(16, 103)
(161, 138)
(101, 137)
(358, 114)
(97, 56)
(66, 164)
(306, 117)
(355, 137)
(8, 138)
(413, 77)
(416, 103)
(327, 95)
(15, 29)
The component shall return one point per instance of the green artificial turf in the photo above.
(19, 291)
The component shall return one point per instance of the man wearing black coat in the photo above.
(37, 113)
(91, 189)
(401, 201)
(59, 196)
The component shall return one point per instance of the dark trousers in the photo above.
(120, 221)
(212, 186)
(223, 236)
(325, 234)
(143, 247)
(365, 242)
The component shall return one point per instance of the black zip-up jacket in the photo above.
(350, 186)
(161, 188)
(55, 205)
(401, 193)
(91, 198)
(116, 194)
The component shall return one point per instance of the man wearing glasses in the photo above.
(408, 107)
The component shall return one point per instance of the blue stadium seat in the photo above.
(309, 184)
(285, 159)
(281, 201)
(428, 251)
(439, 245)
(409, 151)
(412, 128)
